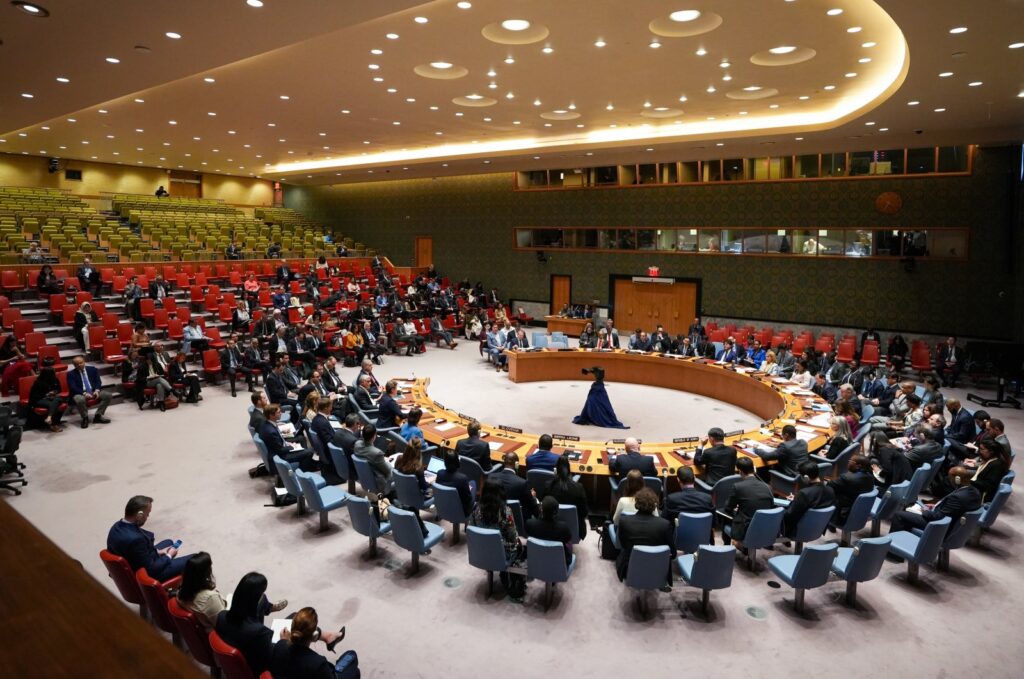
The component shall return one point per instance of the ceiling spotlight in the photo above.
(599, 43)
(804, 97)
(834, 12)
(1015, 45)
(976, 83)
(391, 36)
(378, 79)
(515, 24)
(945, 74)
(491, 73)
(72, 120)
(139, 101)
(851, 75)
(610, 107)
(647, 104)
(510, 96)
(752, 88)
(254, 3)
(27, 95)
(373, 67)
(440, 65)
(711, 89)
(782, 49)
(345, 111)
(172, 122)
(113, 60)
(421, 20)
(799, 138)
(853, 29)
(209, 80)
(939, 110)
(883, 129)
(870, 123)
(464, 5)
(572, 107)
(829, 88)
(493, 86)
(271, 124)
(868, 45)
(102, 110)
(34, 10)
(655, 44)
(509, 60)
(474, 96)
(720, 144)
(211, 113)
(864, 60)
(682, 98)
(773, 106)
(536, 102)
(547, 50)
(391, 90)
(62, 79)
(684, 15)
(725, 64)
(701, 51)
(172, 35)
(958, 30)
(913, 103)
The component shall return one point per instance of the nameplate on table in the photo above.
(514, 430)
(685, 439)
(618, 441)
(439, 406)
(464, 417)
(565, 437)
(737, 432)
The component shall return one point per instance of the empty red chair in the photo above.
(124, 333)
(846, 351)
(33, 341)
(870, 355)
(196, 297)
(143, 282)
(210, 302)
(81, 297)
(182, 280)
(147, 308)
(213, 289)
(121, 573)
(21, 328)
(211, 364)
(154, 593)
(110, 321)
(824, 344)
(99, 308)
(112, 351)
(200, 279)
(264, 298)
(10, 281)
(97, 335)
(235, 278)
(224, 313)
(160, 318)
(10, 316)
(57, 303)
(149, 271)
(718, 335)
(221, 271)
(170, 273)
(229, 659)
(107, 276)
(920, 359)
(216, 341)
(119, 284)
(129, 271)
(171, 306)
(799, 344)
(175, 329)
(69, 314)
(294, 316)
(192, 632)
(229, 299)
(295, 287)
(51, 351)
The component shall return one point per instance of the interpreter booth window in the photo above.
(584, 238)
(914, 243)
(859, 243)
(647, 174)
(951, 244)
(830, 241)
(607, 239)
(667, 239)
(887, 243)
(754, 242)
(686, 240)
(606, 176)
(524, 238)
(646, 239)
(954, 158)
(806, 167)
(921, 161)
(712, 170)
(732, 241)
(734, 170)
(833, 165)
(548, 238)
(710, 240)
(669, 173)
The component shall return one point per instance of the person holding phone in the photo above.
(127, 539)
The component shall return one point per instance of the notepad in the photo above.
(278, 624)
(445, 427)
(806, 436)
(495, 445)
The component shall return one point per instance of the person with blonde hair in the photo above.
(768, 365)
(292, 657)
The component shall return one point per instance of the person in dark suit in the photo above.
(128, 540)
(84, 383)
(643, 528)
(364, 399)
(88, 276)
(233, 251)
(688, 498)
(179, 373)
(855, 481)
(475, 448)
(365, 449)
(569, 492)
(451, 476)
(812, 495)
(233, 362)
(292, 657)
(285, 275)
(515, 486)
(719, 460)
(366, 370)
(277, 390)
(256, 417)
(548, 526)
(961, 423)
(950, 362)
(823, 389)
(925, 448)
(749, 494)
(543, 458)
(345, 438)
(622, 464)
(159, 288)
(242, 626)
(276, 444)
(993, 463)
(965, 498)
(321, 425)
(389, 413)
(790, 454)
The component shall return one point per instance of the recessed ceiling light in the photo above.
(804, 97)
(113, 60)
(72, 120)
(751, 88)
(654, 45)
(510, 60)
(851, 75)
(139, 101)
(868, 44)
(547, 124)
(701, 52)
(84, 141)
(443, 65)
(102, 110)
(864, 60)
(433, 108)
(421, 20)
(510, 95)
(458, 114)
(62, 79)
(684, 15)
(945, 74)
(610, 107)
(209, 80)
(378, 80)
(373, 67)
(396, 123)
(773, 106)
(252, 3)
(976, 83)
(392, 90)
(719, 144)
(536, 102)
(492, 86)
(231, 132)
(27, 95)
(139, 130)
(345, 111)
(391, 36)
(711, 89)
(172, 122)
(725, 64)
(547, 49)
(487, 120)
(782, 49)
(834, 12)
(883, 129)
(172, 35)
(913, 103)
(958, 30)
(46, 127)
(939, 110)
(1016, 45)
(22, 134)
(829, 88)
(853, 29)
(799, 138)
(491, 73)
(599, 43)
(515, 24)
(463, 5)
(1020, 95)
(870, 123)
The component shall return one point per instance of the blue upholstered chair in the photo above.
(867, 411)
(648, 569)
(364, 523)
(886, 506)
(320, 500)
(538, 480)
(721, 491)
(692, 531)
(407, 488)
(858, 516)
(539, 340)
(367, 479)
(286, 472)
(569, 514)
(916, 485)
(486, 552)
(546, 562)
(958, 535)
(805, 571)
(764, 529)
(448, 505)
(837, 466)
(919, 549)
(1008, 477)
(407, 533)
(264, 452)
(474, 472)
(710, 568)
(516, 507)
(811, 526)
(991, 511)
(860, 563)
(345, 469)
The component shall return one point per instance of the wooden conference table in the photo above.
(776, 401)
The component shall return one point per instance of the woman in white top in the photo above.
(352, 287)
(768, 365)
(198, 592)
(802, 377)
(628, 489)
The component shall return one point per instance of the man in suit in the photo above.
(632, 459)
(128, 540)
(611, 333)
(515, 486)
(685, 348)
(321, 426)
(88, 276)
(728, 354)
(256, 417)
(696, 331)
(233, 362)
(363, 396)
(888, 395)
(823, 389)
(660, 340)
(475, 448)
(285, 275)
(848, 393)
(159, 288)
(315, 383)
(950, 362)
(644, 528)
(719, 460)
(749, 494)
(854, 376)
(438, 332)
(961, 423)
(366, 370)
(345, 438)
(298, 350)
(925, 448)
(389, 413)
(277, 344)
(786, 360)
(855, 481)
(265, 328)
(331, 378)
(640, 342)
(790, 454)
(688, 499)
(252, 359)
(542, 458)
(277, 391)
(364, 448)
(964, 498)
(276, 445)
(84, 383)
(871, 388)
(233, 251)
(812, 495)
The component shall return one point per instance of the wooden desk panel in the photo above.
(570, 326)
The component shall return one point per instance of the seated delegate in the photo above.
(127, 539)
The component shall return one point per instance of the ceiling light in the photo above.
(958, 30)
(536, 102)
(599, 43)
(27, 95)
(509, 60)
(1020, 95)
(834, 12)
(271, 124)
(172, 122)
(139, 129)
(373, 67)
(102, 110)
(572, 107)
(610, 107)
(72, 120)
(684, 15)
(463, 5)
(829, 88)
(799, 138)
(851, 75)
(701, 51)
(491, 73)
(139, 101)
(22, 134)
(421, 20)
(510, 96)
(782, 49)
(253, 3)
(487, 120)
(804, 97)
(939, 110)
(853, 29)
(391, 36)
(751, 88)
(976, 83)
(432, 108)
(725, 64)
(870, 123)
(711, 89)
(46, 127)
(378, 80)
(443, 65)
(515, 24)
(396, 123)
(913, 103)
(547, 124)
(231, 132)
(493, 86)
(172, 35)
(945, 74)
(719, 144)
(883, 129)
(458, 114)
(62, 79)
(345, 111)
(209, 80)
(392, 90)
(547, 50)
(376, 51)
(516, 122)
(113, 60)
(773, 106)
(1016, 45)
(655, 44)
(868, 44)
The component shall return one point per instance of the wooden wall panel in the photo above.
(561, 292)
(645, 305)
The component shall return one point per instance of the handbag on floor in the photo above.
(604, 544)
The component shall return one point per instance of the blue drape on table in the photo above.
(598, 409)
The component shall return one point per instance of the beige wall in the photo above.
(97, 178)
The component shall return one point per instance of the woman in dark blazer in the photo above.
(45, 393)
(569, 492)
(242, 625)
(841, 436)
(292, 657)
(993, 463)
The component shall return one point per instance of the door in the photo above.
(646, 305)
(424, 251)
(561, 292)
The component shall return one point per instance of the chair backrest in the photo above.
(961, 531)
(315, 442)
(406, 529)
(287, 475)
(337, 456)
(648, 567)
(569, 514)
(814, 566)
(486, 549)
(1008, 477)
(261, 448)
(309, 490)
(230, 659)
(155, 595)
(813, 524)
(842, 461)
(191, 630)
(538, 479)
(362, 520)
(448, 504)
(867, 411)
(916, 484)
(472, 469)
(365, 474)
(764, 528)
(407, 488)
(692, 531)
(931, 540)
(712, 567)
(721, 491)
(121, 573)
(540, 340)
(868, 557)
(654, 483)
(516, 508)
(546, 561)
(886, 506)
(860, 511)
(992, 509)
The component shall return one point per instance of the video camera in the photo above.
(596, 371)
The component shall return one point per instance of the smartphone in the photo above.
(176, 544)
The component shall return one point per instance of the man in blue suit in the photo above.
(127, 539)
(727, 354)
(961, 424)
(623, 464)
(542, 458)
(83, 384)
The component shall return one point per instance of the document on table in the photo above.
(278, 624)
(494, 445)
(445, 427)
(806, 436)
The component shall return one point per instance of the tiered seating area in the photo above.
(286, 217)
(63, 225)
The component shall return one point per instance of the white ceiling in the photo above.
(318, 55)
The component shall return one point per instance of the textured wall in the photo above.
(471, 220)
